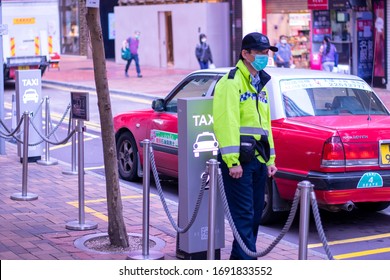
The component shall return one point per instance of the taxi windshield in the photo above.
(329, 97)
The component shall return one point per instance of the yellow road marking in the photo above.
(351, 240)
(354, 240)
(97, 214)
(52, 148)
(362, 253)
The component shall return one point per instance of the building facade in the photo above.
(358, 28)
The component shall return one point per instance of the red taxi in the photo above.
(330, 129)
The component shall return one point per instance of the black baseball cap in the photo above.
(256, 41)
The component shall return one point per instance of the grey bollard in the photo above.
(73, 170)
(81, 224)
(24, 195)
(145, 254)
(47, 160)
(213, 171)
(305, 188)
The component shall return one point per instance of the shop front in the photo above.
(293, 21)
(356, 28)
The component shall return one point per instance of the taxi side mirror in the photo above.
(158, 105)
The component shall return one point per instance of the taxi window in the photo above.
(195, 87)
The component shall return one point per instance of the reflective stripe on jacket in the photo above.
(235, 113)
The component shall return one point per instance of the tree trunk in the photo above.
(116, 226)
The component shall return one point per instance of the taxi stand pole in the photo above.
(81, 224)
(213, 171)
(24, 195)
(305, 188)
(47, 160)
(80, 113)
(73, 169)
(145, 253)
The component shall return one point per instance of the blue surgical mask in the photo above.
(260, 62)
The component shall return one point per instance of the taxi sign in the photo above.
(370, 180)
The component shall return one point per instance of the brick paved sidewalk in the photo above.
(36, 229)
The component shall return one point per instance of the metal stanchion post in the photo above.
(305, 190)
(47, 160)
(213, 171)
(145, 254)
(73, 170)
(81, 224)
(24, 195)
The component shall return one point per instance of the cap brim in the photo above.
(272, 48)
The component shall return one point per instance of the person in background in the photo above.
(328, 54)
(203, 52)
(241, 109)
(283, 58)
(132, 44)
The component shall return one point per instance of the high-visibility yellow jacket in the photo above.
(235, 113)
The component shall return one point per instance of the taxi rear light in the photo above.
(333, 153)
(338, 154)
(361, 154)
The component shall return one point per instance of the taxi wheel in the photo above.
(127, 153)
(372, 206)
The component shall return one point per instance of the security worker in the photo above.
(241, 109)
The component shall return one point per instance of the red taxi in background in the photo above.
(330, 129)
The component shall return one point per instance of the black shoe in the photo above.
(139, 76)
(127, 75)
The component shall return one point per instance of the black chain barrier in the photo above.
(16, 133)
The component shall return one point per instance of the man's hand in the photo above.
(235, 171)
(271, 170)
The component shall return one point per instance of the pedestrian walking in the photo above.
(203, 52)
(284, 56)
(329, 55)
(242, 126)
(132, 44)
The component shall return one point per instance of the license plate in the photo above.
(23, 67)
(384, 150)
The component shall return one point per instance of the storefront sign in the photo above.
(300, 19)
(321, 19)
(379, 44)
(321, 25)
(337, 4)
(365, 50)
(317, 4)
